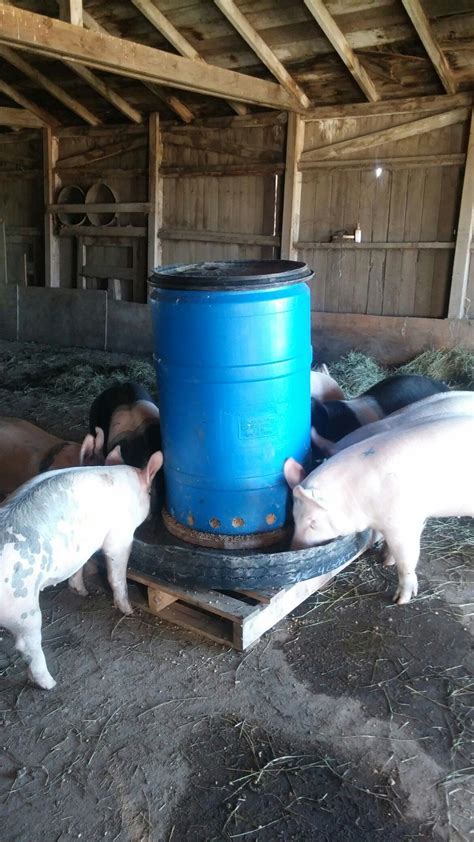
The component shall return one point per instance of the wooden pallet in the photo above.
(238, 620)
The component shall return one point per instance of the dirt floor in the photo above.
(350, 720)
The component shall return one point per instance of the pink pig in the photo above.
(390, 483)
(48, 530)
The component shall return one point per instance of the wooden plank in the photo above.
(119, 231)
(292, 187)
(342, 47)
(222, 170)
(391, 340)
(430, 209)
(412, 105)
(409, 162)
(412, 230)
(13, 57)
(101, 207)
(3, 254)
(50, 184)
(180, 108)
(460, 276)
(155, 193)
(262, 50)
(217, 237)
(100, 153)
(179, 42)
(71, 10)
(350, 245)
(58, 39)
(285, 601)
(158, 600)
(211, 600)
(424, 29)
(10, 91)
(117, 100)
(221, 144)
(19, 118)
(390, 135)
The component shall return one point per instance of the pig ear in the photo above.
(312, 494)
(99, 439)
(87, 452)
(154, 464)
(114, 457)
(294, 472)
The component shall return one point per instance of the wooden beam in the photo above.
(407, 162)
(13, 57)
(19, 118)
(179, 42)
(72, 11)
(343, 48)
(362, 110)
(460, 276)
(50, 184)
(115, 99)
(173, 103)
(400, 132)
(46, 118)
(99, 207)
(54, 38)
(190, 235)
(349, 245)
(262, 50)
(155, 193)
(423, 27)
(292, 189)
(100, 153)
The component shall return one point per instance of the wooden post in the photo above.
(292, 189)
(155, 193)
(460, 277)
(51, 241)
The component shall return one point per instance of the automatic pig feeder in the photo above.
(233, 354)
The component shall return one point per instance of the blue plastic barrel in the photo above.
(233, 354)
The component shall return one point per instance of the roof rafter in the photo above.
(342, 47)
(58, 39)
(424, 29)
(71, 11)
(55, 90)
(173, 102)
(261, 49)
(179, 42)
(46, 118)
(19, 118)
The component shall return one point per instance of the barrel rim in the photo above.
(196, 276)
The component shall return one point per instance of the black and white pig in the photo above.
(332, 420)
(48, 530)
(124, 425)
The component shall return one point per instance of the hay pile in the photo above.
(355, 372)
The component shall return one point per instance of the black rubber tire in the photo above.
(193, 567)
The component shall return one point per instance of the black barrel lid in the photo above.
(230, 274)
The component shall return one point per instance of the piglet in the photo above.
(334, 419)
(391, 483)
(51, 526)
(27, 450)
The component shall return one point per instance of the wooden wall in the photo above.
(21, 208)
(234, 188)
(405, 195)
(222, 190)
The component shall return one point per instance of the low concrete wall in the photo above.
(70, 317)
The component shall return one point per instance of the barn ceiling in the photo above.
(197, 55)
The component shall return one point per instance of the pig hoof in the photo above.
(388, 561)
(46, 682)
(124, 607)
(82, 591)
(405, 591)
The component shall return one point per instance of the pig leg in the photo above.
(28, 642)
(76, 583)
(117, 554)
(404, 550)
